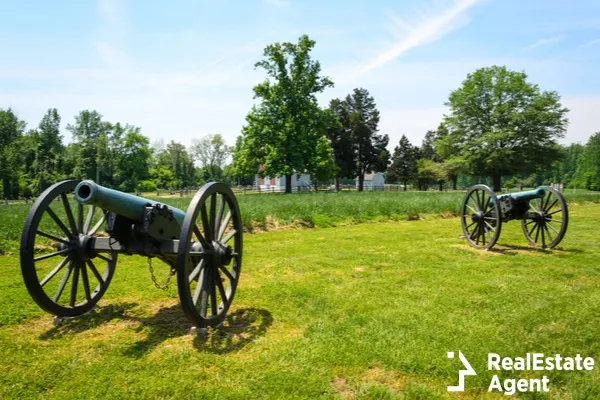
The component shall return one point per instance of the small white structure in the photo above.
(373, 181)
(277, 183)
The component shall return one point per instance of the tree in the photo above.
(404, 162)
(88, 131)
(361, 120)
(134, 161)
(11, 131)
(285, 128)
(430, 171)
(338, 133)
(502, 125)
(47, 142)
(176, 160)
(211, 151)
(589, 167)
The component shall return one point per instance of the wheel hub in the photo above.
(477, 217)
(222, 254)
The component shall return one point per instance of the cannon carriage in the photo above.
(543, 213)
(75, 232)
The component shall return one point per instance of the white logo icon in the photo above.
(462, 373)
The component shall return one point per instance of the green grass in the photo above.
(359, 311)
(271, 211)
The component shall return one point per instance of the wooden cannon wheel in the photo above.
(209, 258)
(61, 275)
(551, 218)
(480, 217)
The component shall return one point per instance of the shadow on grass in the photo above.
(91, 320)
(239, 328)
(513, 249)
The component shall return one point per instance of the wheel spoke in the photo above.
(491, 227)
(196, 271)
(530, 222)
(554, 212)
(59, 222)
(221, 288)
(199, 287)
(224, 225)
(227, 273)
(63, 282)
(98, 224)
(56, 253)
(537, 233)
(86, 283)
(56, 270)
(532, 229)
(69, 213)
(74, 284)
(90, 264)
(203, 242)
(88, 220)
(206, 223)
(470, 208)
(550, 208)
(553, 228)
(103, 257)
(213, 293)
(543, 235)
(471, 224)
(550, 238)
(229, 236)
(219, 217)
(479, 205)
(52, 237)
(213, 215)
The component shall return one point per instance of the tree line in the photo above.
(501, 129)
(116, 155)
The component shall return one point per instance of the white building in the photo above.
(373, 180)
(277, 183)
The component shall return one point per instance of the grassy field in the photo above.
(359, 311)
(262, 212)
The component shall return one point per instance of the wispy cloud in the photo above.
(545, 42)
(590, 43)
(429, 29)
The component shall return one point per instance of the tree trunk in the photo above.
(288, 183)
(454, 180)
(405, 183)
(361, 181)
(441, 185)
(337, 183)
(496, 179)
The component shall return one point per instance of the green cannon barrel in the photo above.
(520, 197)
(124, 204)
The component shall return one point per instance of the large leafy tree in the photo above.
(284, 130)
(404, 162)
(501, 124)
(88, 133)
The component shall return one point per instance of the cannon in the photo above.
(75, 231)
(543, 213)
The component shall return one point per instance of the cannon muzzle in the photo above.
(124, 204)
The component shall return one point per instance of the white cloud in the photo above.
(428, 30)
(545, 42)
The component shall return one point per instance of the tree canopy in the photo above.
(500, 124)
(287, 126)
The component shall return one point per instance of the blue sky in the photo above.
(184, 68)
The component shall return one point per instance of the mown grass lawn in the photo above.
(359, 311)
